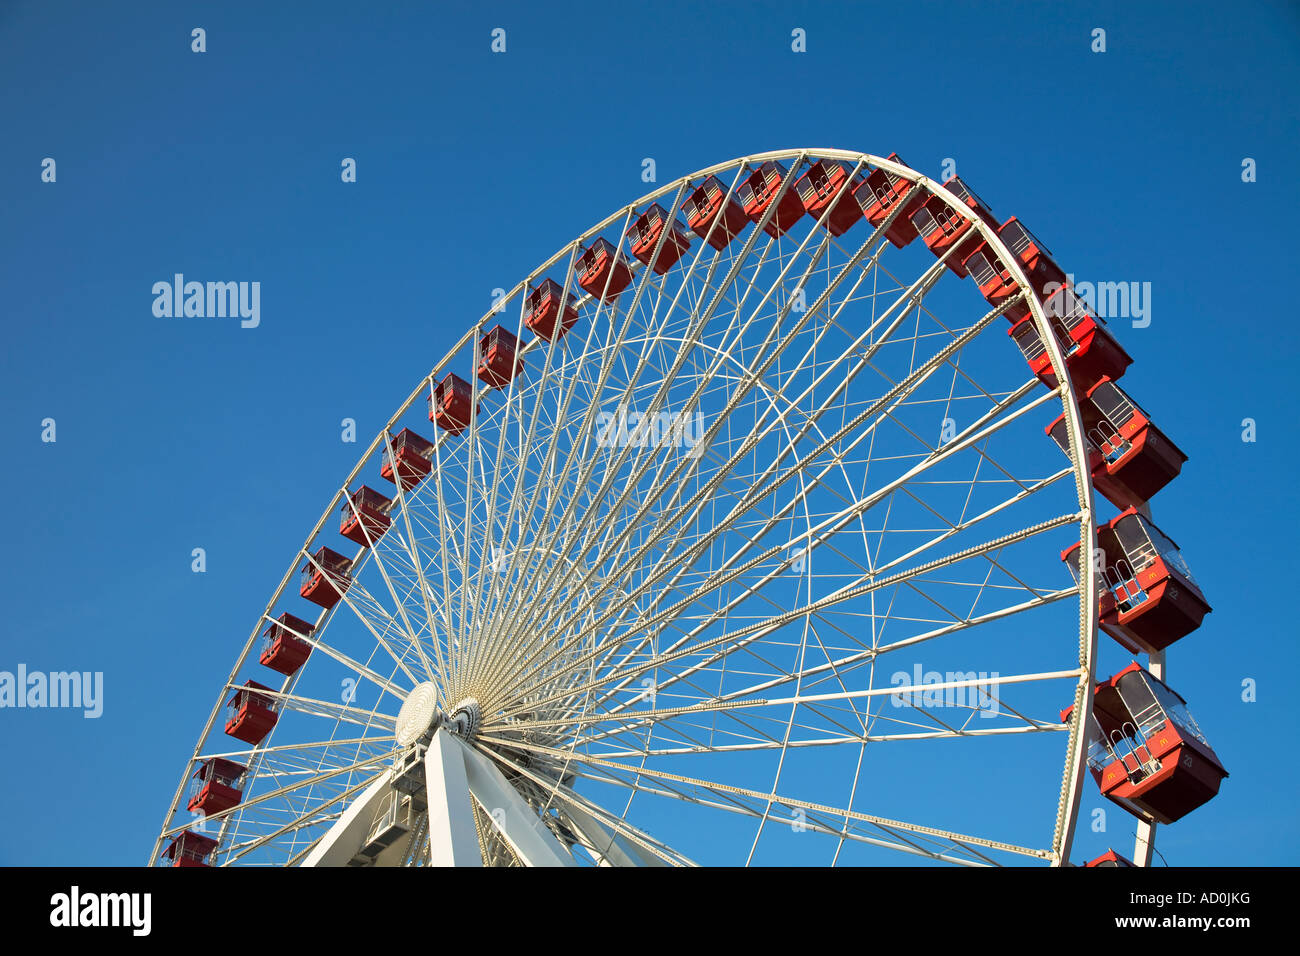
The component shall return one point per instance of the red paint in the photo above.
(250, 715)
(282, 650)
(451, 406)
(820, 186)
(326, 584)
(643, 235)
(1044, 275)
(602, 272)
(758, 192)
(364, 516)
(189, 849)
(941, 228)
(709, 205)
(1164, 773)
(413, 454)
(1091, 353)
(499, 359)
(217, 786)
(1110, 858)
(881, 192)
(548, 312)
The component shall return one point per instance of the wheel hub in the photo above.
(419, 714)
(465, 718)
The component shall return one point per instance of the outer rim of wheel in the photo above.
(1075, 766)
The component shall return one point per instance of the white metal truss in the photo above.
(675, 568)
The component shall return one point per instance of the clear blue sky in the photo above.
(472, 168)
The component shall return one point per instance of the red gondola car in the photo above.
(1044, 275)
(190, 849)
(499, 358)
(283, 648)
(643, 235)
(1110, 858)
(451, 406)
(1129, 458)
(414, 456)
(757, 193)
(216, 786)
(364, 517)
(1091, 352)
(820, 186)
(881, 192)
(1146, 751)
(325, 578)
(708, 205)
(548, 312)
(1089, 342)
(1147, 596)
(995, 280)
(941, 227)
(602, 270)
(250, 715)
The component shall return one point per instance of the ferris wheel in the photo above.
(732, 534)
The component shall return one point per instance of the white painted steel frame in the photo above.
(1075, 766)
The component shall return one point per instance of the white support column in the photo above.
(1145, 844)
(453, 839)
(517, 823)
(345, 837)
(457, 777)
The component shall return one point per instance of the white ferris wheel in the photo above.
(731, 534)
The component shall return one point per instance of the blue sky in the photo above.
(474, 167)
